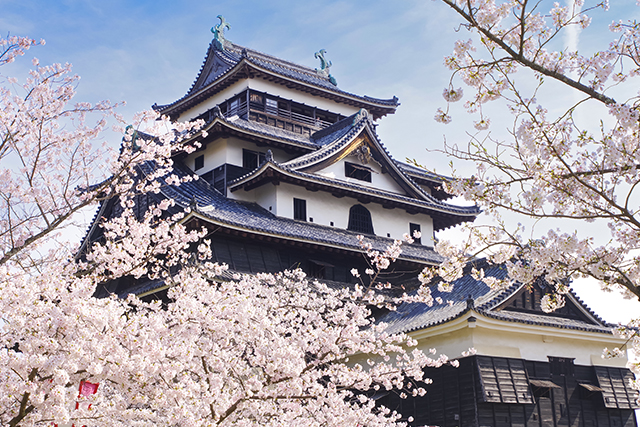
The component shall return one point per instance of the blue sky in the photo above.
(146, 52)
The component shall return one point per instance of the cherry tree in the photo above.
(242, 350)
(572, 153)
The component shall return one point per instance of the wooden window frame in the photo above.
(299, 209)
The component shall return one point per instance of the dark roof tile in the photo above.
(252, 217)
(416, 316)
(234, 54)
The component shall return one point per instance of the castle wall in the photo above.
(506, 339)
(229, 150)
(268, 87)
(379, 180)
(326, 209)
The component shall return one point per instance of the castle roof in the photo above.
(469, 294)
(205, 202)
(223, 67)
(338, 141)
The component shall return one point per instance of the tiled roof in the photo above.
(422, 173)
(334, 132)
(432, 180)
(432, 204)
(270, 131)
(337, 138)
(233, 55)
(545, 320)
(298, 72)
(331, 140)
(253, 218)
(470, 294)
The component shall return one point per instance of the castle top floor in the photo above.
(239, 79)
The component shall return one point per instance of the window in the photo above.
(542, 387)
(233, 106)
(252, 159)
(255, 98)
(415, 227)
(358, 172)
(199, 162)
(300, 209)
(320, 269)
(360, 220)
(272, 104)
(562, 366)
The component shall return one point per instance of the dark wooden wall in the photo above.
(488, 391)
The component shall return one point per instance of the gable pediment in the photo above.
(361, 148)
(212, 69)
(528, 300)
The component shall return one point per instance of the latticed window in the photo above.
(360, 220)
(272, 105)
(300, 209)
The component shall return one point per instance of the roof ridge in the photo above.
(234, 54)
(274, 59)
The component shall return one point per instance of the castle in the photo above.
(292, 171)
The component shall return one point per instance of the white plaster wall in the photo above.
(267, 197)
(214, 100)
(215, 154)
(324, 209)
(303, 98)
(539, 347)
(271, 88)
(530, 345)
(236, 145)
(229, 150)
(378, 179)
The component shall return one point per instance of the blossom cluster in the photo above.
(555, 166)
(261, 350)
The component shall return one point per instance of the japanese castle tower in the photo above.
(292, 171)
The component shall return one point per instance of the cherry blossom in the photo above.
(252, 350)
(554, 166)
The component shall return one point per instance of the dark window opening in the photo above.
(300, 209)
(358, 172)
(252, 159)
(297, 109)
(541, 391)
(199, 162)
(320, 269)
(412, 228)
(562, 366)
(316, 270)
(360, 220)
(278, 112)
(588, 391)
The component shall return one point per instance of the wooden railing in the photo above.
(241, 110)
